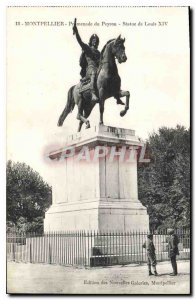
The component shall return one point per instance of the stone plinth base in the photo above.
(97, 215)
(97, 194)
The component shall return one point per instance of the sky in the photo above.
(43, 63)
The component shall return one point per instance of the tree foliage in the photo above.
(164, 184)
(28, 196)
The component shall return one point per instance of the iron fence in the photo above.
(90, 248)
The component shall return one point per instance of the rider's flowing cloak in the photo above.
(83, 64)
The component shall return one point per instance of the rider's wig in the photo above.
(92, 37)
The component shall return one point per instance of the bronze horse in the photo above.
(108, 85)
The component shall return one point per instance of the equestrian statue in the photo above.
(100, 79)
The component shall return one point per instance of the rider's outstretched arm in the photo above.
(84, 46)
(80, 42)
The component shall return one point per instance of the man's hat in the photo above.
(149, 235)
(94, 36)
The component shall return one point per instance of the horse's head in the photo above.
(119, 50)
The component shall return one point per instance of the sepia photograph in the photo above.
(98, 150)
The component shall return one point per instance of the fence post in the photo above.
(30, 252)
(13, 250)
(50, 258)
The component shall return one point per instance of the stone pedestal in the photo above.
(96, 194)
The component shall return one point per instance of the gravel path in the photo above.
(129, 279)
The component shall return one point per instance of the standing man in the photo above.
(151, 256)
(89, 60)
(173, 242)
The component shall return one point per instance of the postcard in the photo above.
(98, 150)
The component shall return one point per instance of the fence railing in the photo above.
(90, 248)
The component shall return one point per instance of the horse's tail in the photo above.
(70, 100)
(68, 108)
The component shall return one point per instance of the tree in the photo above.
(28, 196)
(164, 184)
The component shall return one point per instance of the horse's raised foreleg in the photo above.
(127, 95)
